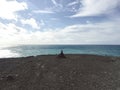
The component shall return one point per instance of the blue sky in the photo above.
(59, 22)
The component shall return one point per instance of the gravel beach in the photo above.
(48, 72)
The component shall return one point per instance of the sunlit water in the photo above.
(33, 50)
(6, 53)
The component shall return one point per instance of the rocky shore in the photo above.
(49, 72)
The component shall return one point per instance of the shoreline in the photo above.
(48, 72)
(57, 54)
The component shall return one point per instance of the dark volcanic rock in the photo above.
(10, 78)
(76, 72)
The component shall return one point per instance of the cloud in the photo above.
(32, 22)
(96, 33)
(8, 9)
(72, 3)
(11, 34)
(43, 11)
(106, 32)
(54, 2)
(57, 6)
(97, 7)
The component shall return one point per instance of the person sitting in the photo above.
(61, 55)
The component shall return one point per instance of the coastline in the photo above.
(29, 50)
(34, 56)
(48, 72)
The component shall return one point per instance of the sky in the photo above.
(59, 22)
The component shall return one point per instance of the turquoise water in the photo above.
(33, 50)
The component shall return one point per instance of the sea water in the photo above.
(33, 50)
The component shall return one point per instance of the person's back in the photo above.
(61, 55)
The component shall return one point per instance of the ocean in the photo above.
(33, 50)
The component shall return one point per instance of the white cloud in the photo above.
(8, 9)
(54, 2)
(96, 7)
(46, 11)
(11, 34)
(57, 6)
(32, 22)
(96, 33)
(73, 3)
